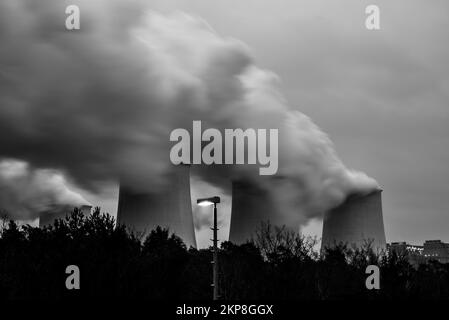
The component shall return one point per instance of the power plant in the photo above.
(60, 212)
(251, 206)
(170, 207)
(356, 221)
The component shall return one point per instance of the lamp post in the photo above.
(207, 202)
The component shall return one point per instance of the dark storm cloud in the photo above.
(99, 104)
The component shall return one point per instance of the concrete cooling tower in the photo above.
(251, 205)
(355, 221)
(169, 208)
(60, 212)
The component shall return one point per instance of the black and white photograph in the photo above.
(224, 158)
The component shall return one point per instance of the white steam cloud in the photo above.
(26, 193)
(99, 104)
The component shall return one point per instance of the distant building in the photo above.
(436, 250)
(431, 250)
(414, 253)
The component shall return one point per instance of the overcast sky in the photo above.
(382, 96)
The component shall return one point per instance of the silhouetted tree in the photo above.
(165, 258)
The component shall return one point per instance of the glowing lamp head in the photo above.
(205, 203)
(208, 201)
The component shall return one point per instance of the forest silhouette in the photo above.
(276, 264)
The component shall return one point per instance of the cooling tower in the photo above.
(170, 207)
(60, 212)
(251, 205)
(355, 221)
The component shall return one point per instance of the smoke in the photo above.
(99, 103)
(25, 193)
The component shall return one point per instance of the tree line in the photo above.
(276, 264)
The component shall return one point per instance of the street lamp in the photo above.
(207, 202)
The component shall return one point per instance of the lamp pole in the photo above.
(208, 202)
(215, 262)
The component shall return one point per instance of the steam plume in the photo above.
(25, 193)
(99, 104)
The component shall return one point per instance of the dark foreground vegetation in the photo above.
(115, 263)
